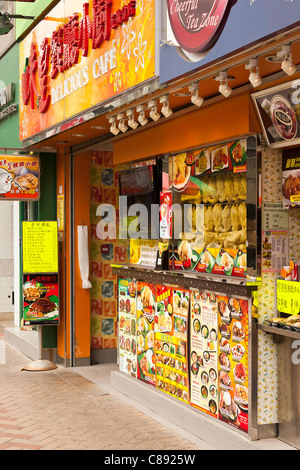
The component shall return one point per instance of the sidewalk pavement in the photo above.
(62, 409)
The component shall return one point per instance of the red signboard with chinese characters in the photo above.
(82, 54)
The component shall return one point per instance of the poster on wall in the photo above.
(40, 299)
(233, 361)
(275, 250)
(211, 183)
(291, 177)
(127, 326)
(145, 305)
(171, 326)
(203, 352)
(19, 178)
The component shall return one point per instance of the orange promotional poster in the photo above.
(19, 178)
(82, 54)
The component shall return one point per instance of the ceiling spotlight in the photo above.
(122, 126)
(113, 128)
(5, 23)
(142, 117)
(254, 77)
(166, 110)
(287, 64)
(131, 121)
(195, 98)
(154, 114)
(224, 89)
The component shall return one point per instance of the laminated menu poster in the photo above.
(145, 304)
(203, 352)
(233, 361)
(171, 326)
(127, 326)
(40, 299)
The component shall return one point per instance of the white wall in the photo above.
(6, 256)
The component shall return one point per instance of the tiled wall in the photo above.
(103, 189)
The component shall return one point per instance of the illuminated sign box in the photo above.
(73, 61)
(19, 178)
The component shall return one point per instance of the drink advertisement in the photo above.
(203, 352)
(127, 327)
(233, 361)
(145, 304)
(40, 299)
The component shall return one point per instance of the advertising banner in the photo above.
(40, 299)
(81, 54)
(19, 178)
(127, 326)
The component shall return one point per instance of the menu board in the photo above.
(233, 361)
(40, 247)
(275, 250)
(203, 352)
(127, 326)
(40, 299)
(288, 297)
(171, 326)
(145, 304)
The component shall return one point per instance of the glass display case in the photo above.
(214, 209)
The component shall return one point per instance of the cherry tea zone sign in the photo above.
(196, 24)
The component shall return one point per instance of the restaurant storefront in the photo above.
(177, 290)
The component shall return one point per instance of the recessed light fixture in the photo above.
(113, 125)
(131, 121)
(78, 135)
(224, 88)
(166, 110)
(195, 98)
(142, 117)
(99, 128)
(254, 77)
(154, 114)
(62, 142)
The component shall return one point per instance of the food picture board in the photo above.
(127, 327)
(19, 178)
(290, 177)
(204, 352)
(275, 250)
(145, 314)
(278, 110)
(40, 247)
(213, 182)
(233, 361)
(41, 299)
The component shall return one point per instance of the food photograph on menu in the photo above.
(127, 327)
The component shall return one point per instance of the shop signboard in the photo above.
(40, 299)
(233, 361)
(82, 54)
(278, 109)
(19, 178)
(200, 33)
(127, 326)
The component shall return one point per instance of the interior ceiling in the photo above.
(96, 130)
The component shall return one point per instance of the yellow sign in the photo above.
(60, 211)
(40, 247)
(288, 297)
(80, 55)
